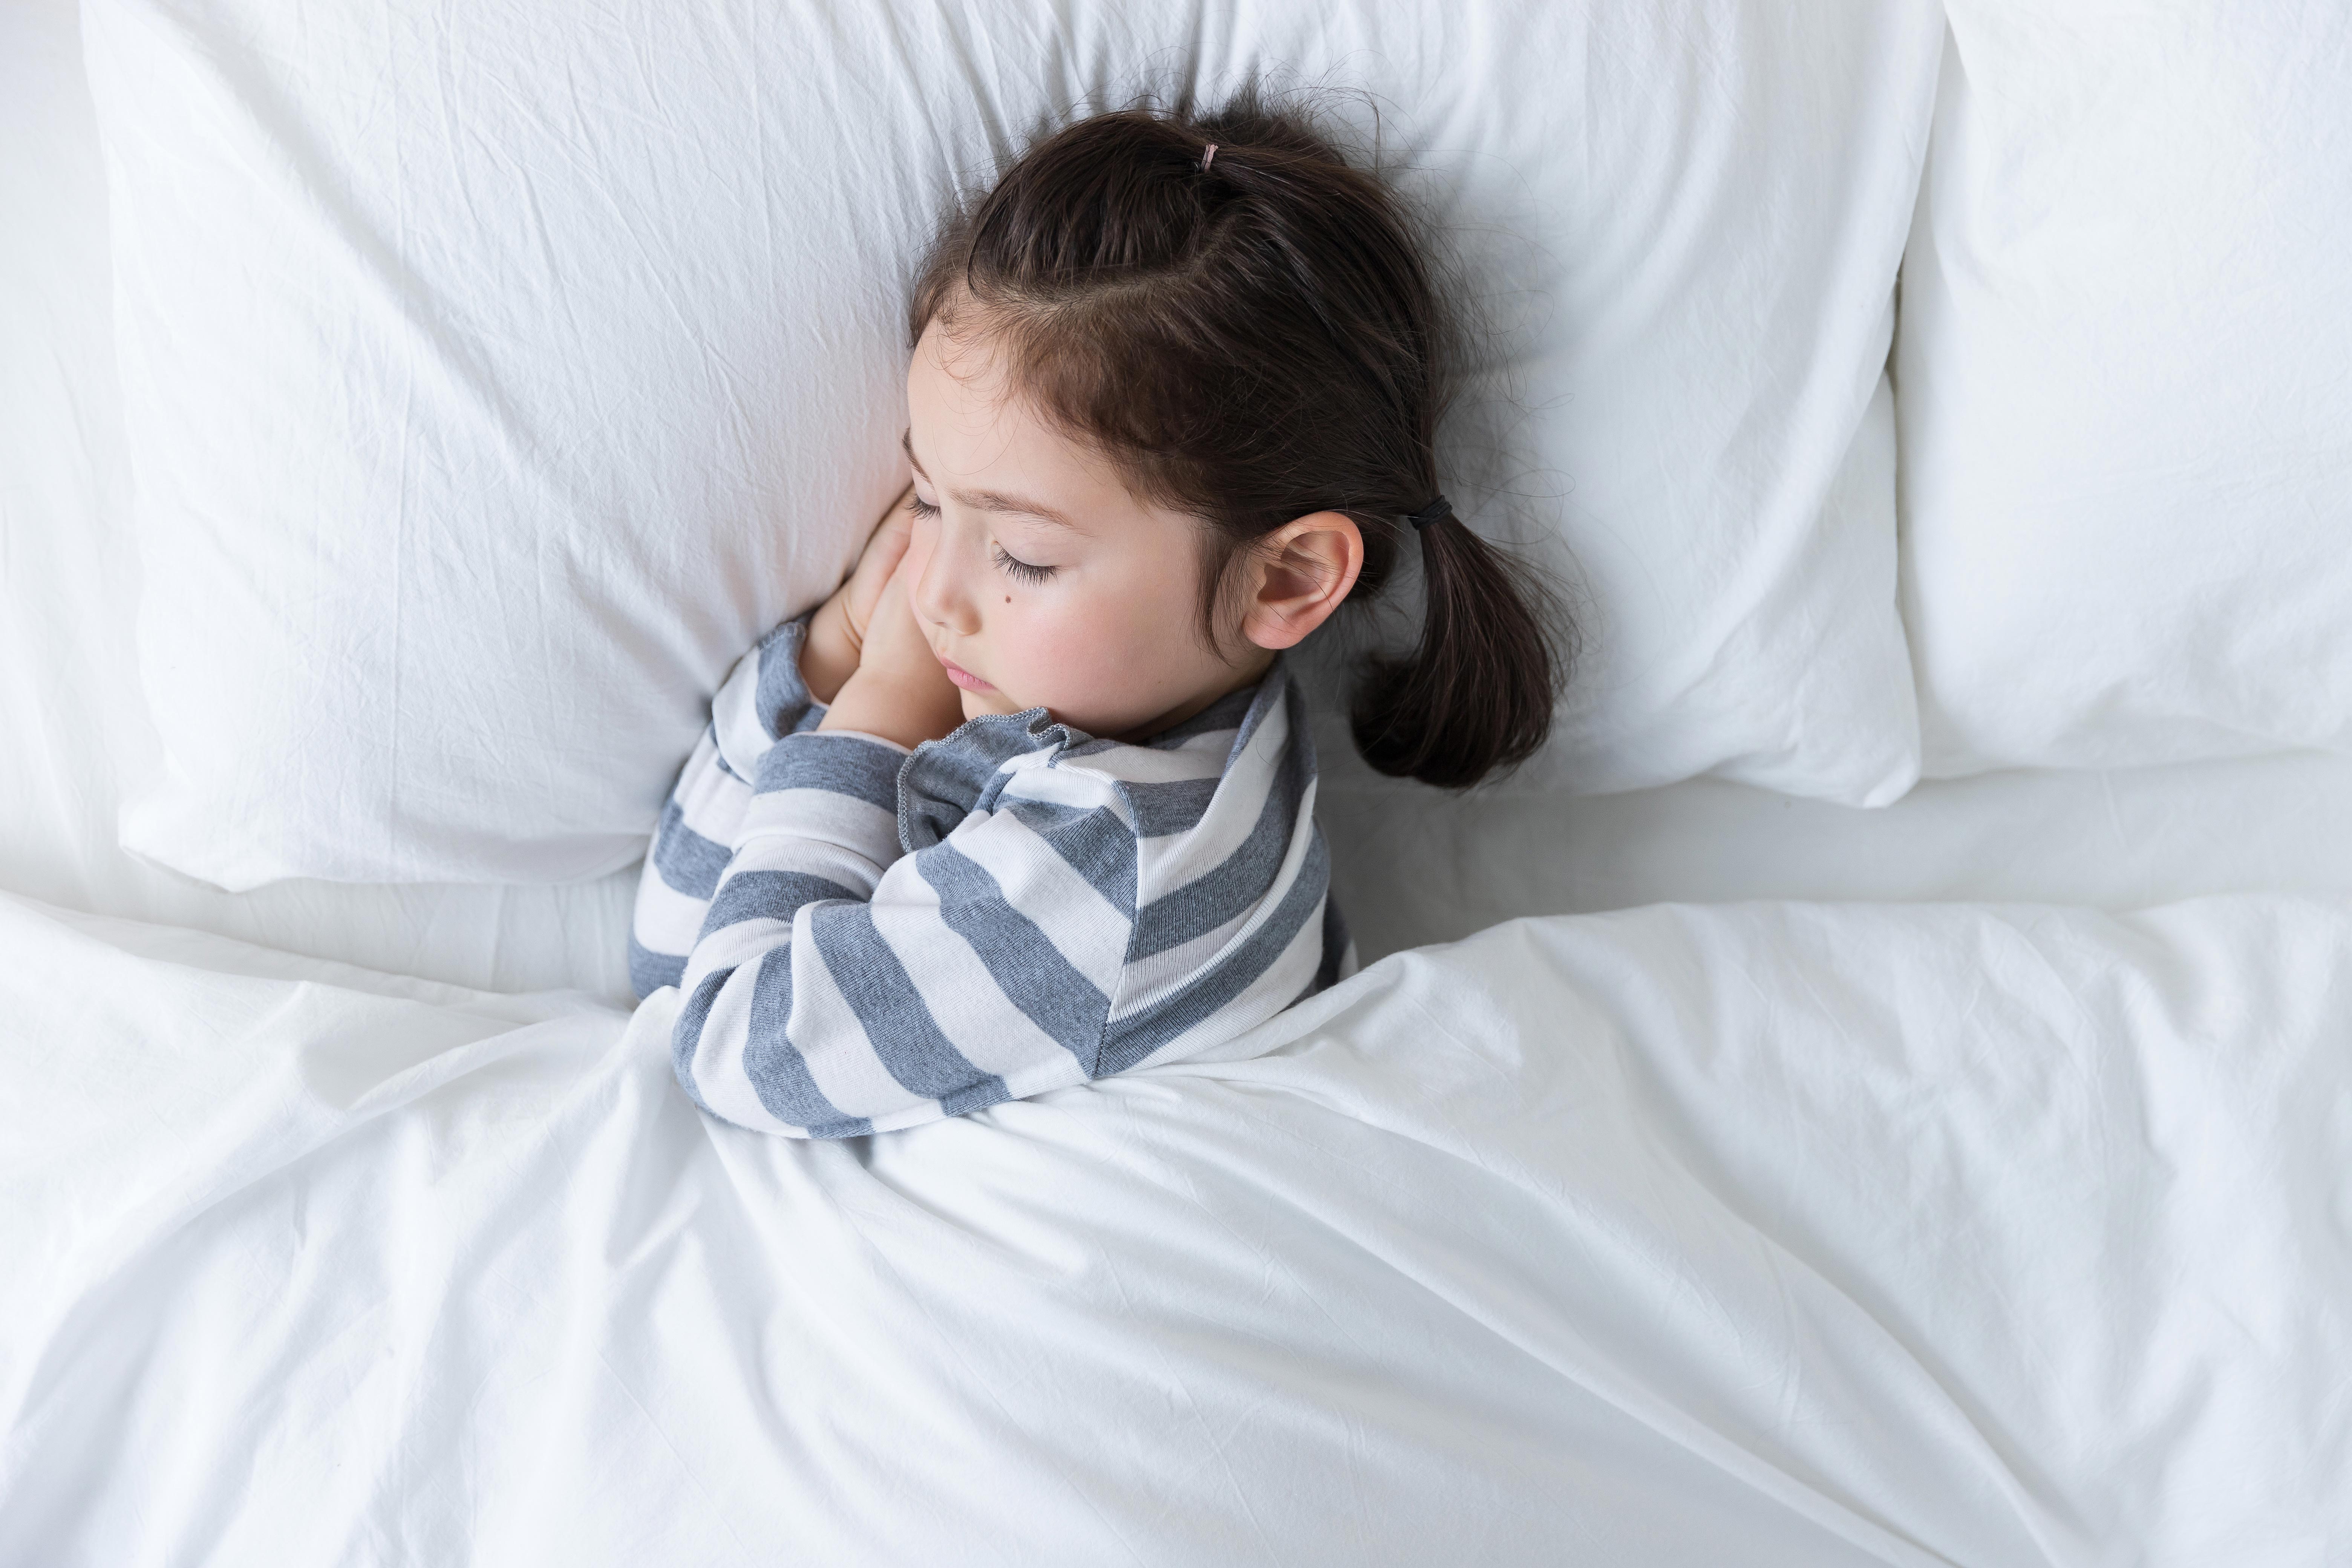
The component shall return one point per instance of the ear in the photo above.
(1298, 576)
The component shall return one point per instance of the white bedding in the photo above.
(1762, 1234)
(576, 339)
(1767, 1233)
(2125, 416)
(74, 730)
(1412, 866)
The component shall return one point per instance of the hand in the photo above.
(837, 634)
(898, 692)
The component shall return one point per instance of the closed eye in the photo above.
(1013, 566)
(1021, 571)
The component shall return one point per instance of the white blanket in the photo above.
(1763, 1233)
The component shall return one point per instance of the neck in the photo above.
(1250, 674)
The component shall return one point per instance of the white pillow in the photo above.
(2126, 387)
(497, 373)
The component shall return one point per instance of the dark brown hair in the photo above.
(1251, 341)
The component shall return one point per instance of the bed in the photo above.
(1713, 1169)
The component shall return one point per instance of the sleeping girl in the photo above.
(1030, 799)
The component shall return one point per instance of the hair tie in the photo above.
(1208, 157)
(1437, 510)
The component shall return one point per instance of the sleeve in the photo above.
(833, 993)
(761, 700)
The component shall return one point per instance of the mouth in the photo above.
(961, 676)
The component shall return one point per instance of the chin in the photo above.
(978, 704)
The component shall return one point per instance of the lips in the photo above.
(961, 676)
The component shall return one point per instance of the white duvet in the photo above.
(1762, 1234)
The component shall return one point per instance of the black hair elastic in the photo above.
(1437, 510)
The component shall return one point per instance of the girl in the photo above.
(1031, 798)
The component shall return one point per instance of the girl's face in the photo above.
(1040, 580)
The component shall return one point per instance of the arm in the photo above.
(762, 698)
(829, 996)
(797, 1016)
(782, 686)
(1081, 915)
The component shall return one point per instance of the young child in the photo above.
(1030, 800)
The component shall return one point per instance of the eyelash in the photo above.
(1021, 571)
(1018, 570)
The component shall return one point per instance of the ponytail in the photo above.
(1475, 693)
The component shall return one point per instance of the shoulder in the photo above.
(1225, 762)
(1226, 795)
(1230, 890)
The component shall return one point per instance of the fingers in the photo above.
(884, 549)
(910, 564)
(896, 601)
(889, 537)
(890, 531)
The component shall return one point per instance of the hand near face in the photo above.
(899, 691)
(837, 634)
(883, 552)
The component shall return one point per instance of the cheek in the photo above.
(1059, 640)
(1102, 652)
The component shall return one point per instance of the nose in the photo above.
(939, 597)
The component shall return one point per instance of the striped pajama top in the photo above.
(868, 938)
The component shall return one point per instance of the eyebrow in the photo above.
(991, 501)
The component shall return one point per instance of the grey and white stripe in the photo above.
(868, 939)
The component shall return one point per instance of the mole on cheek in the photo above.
(1008, 598)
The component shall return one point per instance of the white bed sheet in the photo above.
(1414, 867)
(1410, 866)
(1768, 1233)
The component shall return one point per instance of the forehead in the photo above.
(975, 436)
(965, 415)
